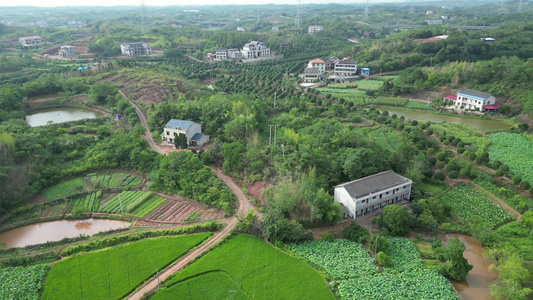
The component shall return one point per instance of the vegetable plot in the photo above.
(514, 150)
(22, 282)
(468, 204)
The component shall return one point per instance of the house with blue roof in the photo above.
(193, 132)
(470, 99)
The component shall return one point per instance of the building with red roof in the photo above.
(318, 64)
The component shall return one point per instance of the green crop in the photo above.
(113, 273)
(514, 150)
(22, 282)
(468, 204)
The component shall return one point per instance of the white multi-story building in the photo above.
(470, 99)
(193, 132)
(318, 64)
(31, 41)
(314, 28)
(255, 49)
(345, 68)
(370, 193)
(234, 53)
(138, 48)
(67, 51)
(221, 53)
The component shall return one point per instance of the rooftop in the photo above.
(373, 183)
(317, 61)
(173, 123)
(31, 37)
(197, 137)
(475, 93)
(451, 97)
(311, 71)
(346, 62)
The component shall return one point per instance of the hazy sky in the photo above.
(48, 3)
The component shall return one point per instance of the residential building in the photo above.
(330, 63)
(136, 48)
(193, 132)
(187, 47)
(234, 53)
(370, 193)
(318, 64)
(470, 99)
(67, 51)
(345, 68)
(314, 28)
(241, 29)
(310, 75)
(434, 21)
(31, 41)
(221, 53)
(275, 28)
(255, 49)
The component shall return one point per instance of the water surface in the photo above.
(56, 230)
(60, 115)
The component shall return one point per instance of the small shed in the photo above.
(492, 108)
(118, 117)
(365, 72)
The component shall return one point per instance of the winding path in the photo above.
(243, 207)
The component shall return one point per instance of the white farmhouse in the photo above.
(345, 68)
(137, 48)
(67, 51)
(255, 49)
(31, 41)
(470, 99)
(193, 132)
(370, 193)
(314, 28)
(317, 64)
(221, 53)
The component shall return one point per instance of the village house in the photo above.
(137, 48)
(255, 49)
(234, 53)
(193, 132)
(67, 51)
(475, 100)
(221, 54)
(314, 28)
(330, 63)
(371, 193)
(310, 75)
(318, 64)
(345, 68)
(31, 41)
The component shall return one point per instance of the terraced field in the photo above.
(177, 211)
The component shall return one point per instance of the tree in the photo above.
(395, 220)
(382, 244)
(458, 267)
(527, 219)
(103, 94)
(356, 233)
(383, 259)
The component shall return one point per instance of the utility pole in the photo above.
(366, 10)
(412, 8)
(275, 134)
(232, 294)
(275, 94)
(519, 7)
(297, 21)
(143, 18)
(122, 210)
(283, 150)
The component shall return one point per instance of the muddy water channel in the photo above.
(60, 115)
(476, 284)
(437, 118)
(56, 230)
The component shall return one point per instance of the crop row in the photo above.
(127, 201)
(148, 206)
(88, 203)
(22, 282)
(419, 105)
(468, 204)
(341, 259)
(345, 91)
(515, 150)
(64, 189)
(405, 257)
(389, 101)
(112, 180)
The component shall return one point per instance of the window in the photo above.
(374, 197)
(404, 187)
(168, 133)
(386, 193)
(397, 189)
(380, 196)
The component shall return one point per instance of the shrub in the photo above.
(524, 185)
(429, 131)
(327, 236)
(516, 179)
(356, 233)
(440, 176)
(460, 150)
(384, 259)
(499, 173)
(465, 172)
(440, 164)
(504, 168)
(453, 174)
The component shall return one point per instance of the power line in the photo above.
(412, 8)
(144, 27)
(275, 134)
(519, 7)
(297, 20)
(366, 10)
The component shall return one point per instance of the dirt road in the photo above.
(243, 207)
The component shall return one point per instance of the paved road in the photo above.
(243, 207)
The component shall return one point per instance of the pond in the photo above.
(60, 115)
(56, 230)
(437, 118)
(476, 284)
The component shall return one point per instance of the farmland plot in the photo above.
(468, 204)
(514, 150)
(259, 269)
(125, 202)
(22, 282)
(113, 273)
(178, 211)
(64, 189)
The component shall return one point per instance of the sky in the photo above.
(51, 3)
